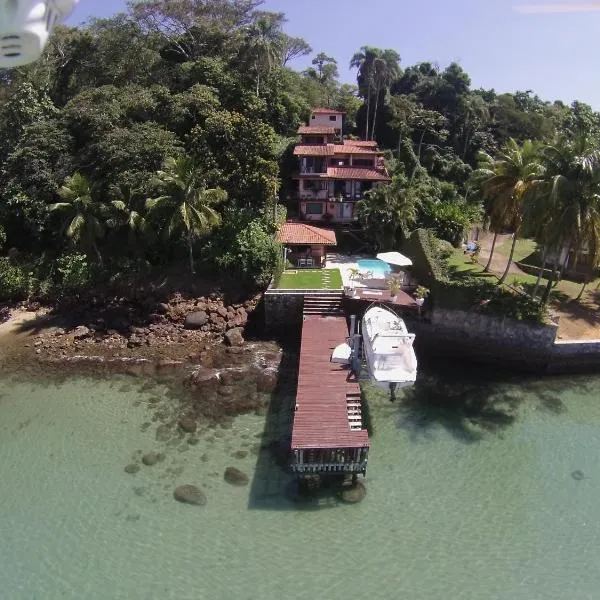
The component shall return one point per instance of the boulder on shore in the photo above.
(234, 337)
(196, 320)
(236, 477)
(190, 494)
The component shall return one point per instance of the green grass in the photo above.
(311, 279)
(460, 265)
(523, 249)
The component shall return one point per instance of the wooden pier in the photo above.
(328, 433)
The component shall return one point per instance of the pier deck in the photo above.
(328, 434)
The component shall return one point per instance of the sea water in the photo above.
(479, 486)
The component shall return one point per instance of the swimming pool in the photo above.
(379, 268)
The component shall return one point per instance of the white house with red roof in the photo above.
(334, 173)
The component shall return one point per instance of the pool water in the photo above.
(379, 268)
(479, 486)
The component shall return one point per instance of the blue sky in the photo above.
(555, 55)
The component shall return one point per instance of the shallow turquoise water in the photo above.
(470, 495)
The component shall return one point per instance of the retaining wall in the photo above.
(283, 308)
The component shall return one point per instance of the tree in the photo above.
(187, 206)
(83, 217)
(127, 216)
(363, 61)
(510, 181)
(571, 205)
(264, 44)
(293, 47)
(386, 212)
(386, 69)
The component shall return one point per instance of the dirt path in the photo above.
(498, 260)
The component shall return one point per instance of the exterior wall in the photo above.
(283, 308)
(324, 120)
(573, 355)
(340, 212)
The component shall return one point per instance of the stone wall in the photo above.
(572, 355)
(282, 308)
(477, 336)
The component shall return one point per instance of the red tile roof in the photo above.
(351, 149)
(360, 173)
(316, 130)
(363, 143)
(314, 150)
(327, 111)
(332, 149)
(299, 233)
(321, 416)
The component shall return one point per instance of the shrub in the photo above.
(16, 280)
(428, 266)
(76, 274)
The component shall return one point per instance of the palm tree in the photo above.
(126, 216)
(386, 69)
(510, 181)
(187, 205)
(572, 205)
(264, 44)
(363, 61)
(386, 211)
(83, 217)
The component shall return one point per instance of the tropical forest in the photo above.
(160, 141)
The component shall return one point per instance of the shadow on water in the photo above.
(273, 486)
(471, 401)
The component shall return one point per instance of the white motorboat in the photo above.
(388, 347)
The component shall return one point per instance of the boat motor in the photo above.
(26, 25)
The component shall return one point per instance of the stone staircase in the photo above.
(323, 305)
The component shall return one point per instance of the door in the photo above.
(347, 210)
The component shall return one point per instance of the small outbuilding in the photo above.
(306, 245)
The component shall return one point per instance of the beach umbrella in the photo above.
(395, 258)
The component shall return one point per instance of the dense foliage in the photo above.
(161, 136)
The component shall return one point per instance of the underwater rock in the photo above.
(267, 381)
(240, 454)
(163, 433)
(354, 493)
(236, 477)
(152, 458)
(188, 424)
(577, 475)
(190, 494)
(132, 468)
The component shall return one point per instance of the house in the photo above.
(305, 245)
(334, 173)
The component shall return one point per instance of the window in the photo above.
(362, 162)
(313, 117)
(314, 208)
(332, 118)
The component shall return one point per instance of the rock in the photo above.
(162, 308)
(163, 433)
(353, 493)
(236, 477)
(234, 337)
(226, 390)
(132, 468)
(188, 424)
(152, 458)
(190, 494)
(134, 341)
(81, 332)
(196, 320)
(222, 311)
(266, 381)
(203, 378)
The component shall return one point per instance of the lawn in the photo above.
(311, 279)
